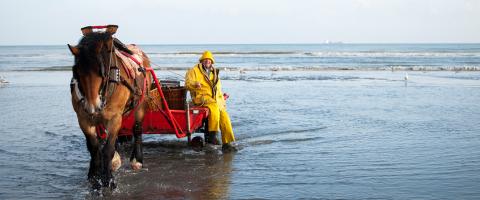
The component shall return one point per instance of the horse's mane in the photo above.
(90, 41)
(88, 48)
(88, 45)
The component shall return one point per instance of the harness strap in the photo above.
(131, 57)
(128, 85)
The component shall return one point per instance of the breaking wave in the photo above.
(341, 54)
(296, 68)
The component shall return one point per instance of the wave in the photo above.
(380, 54)
(228, 52)
(337, 68)
(295, 68)
(36, 56)
(368, 54)
(51, 68)
(306, 54)
(50, 134)
(225, 54)
(285, 132)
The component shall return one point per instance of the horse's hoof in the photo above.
(110, 183)
(116, 161)
(96, 186)
(136, 165)
(95, 183)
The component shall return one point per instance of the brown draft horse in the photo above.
(101, 93)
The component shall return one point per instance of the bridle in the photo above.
(108, 71)
(105, 71)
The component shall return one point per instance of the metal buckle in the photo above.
(114, 74)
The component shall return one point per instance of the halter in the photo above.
(108, 74)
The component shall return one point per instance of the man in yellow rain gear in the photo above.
(205, 87)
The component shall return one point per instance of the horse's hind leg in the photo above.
(136, 159)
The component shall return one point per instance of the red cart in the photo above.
(182, 119)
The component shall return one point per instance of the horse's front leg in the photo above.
(93, 146)
(113, 126)
(136, 159)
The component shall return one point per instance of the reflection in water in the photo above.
(174, 171)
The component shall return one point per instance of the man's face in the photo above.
(207, 63)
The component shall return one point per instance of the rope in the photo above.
(177, 74)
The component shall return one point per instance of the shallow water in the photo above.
(304, 134)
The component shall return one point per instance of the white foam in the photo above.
(3, 80)
(333, 54)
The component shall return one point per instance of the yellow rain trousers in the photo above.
(210, 95)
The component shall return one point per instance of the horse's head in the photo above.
(93, 56)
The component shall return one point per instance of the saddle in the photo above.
(132, 61)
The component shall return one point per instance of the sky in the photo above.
(58, 22)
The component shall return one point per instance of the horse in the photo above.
(102, 92)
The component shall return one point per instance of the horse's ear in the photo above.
(86, 30)
(112, 29)
(75, 51)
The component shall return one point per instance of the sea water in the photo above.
(272, 56)
(312, 122)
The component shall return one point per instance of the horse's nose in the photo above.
(93, 107)
(98, 104)
(98, 109)
(90, 109)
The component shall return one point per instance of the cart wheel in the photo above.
(197, 143)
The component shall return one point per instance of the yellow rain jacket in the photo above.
(210, 95)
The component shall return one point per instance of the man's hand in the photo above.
(197, 85)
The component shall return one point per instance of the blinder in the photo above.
(102, 66)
